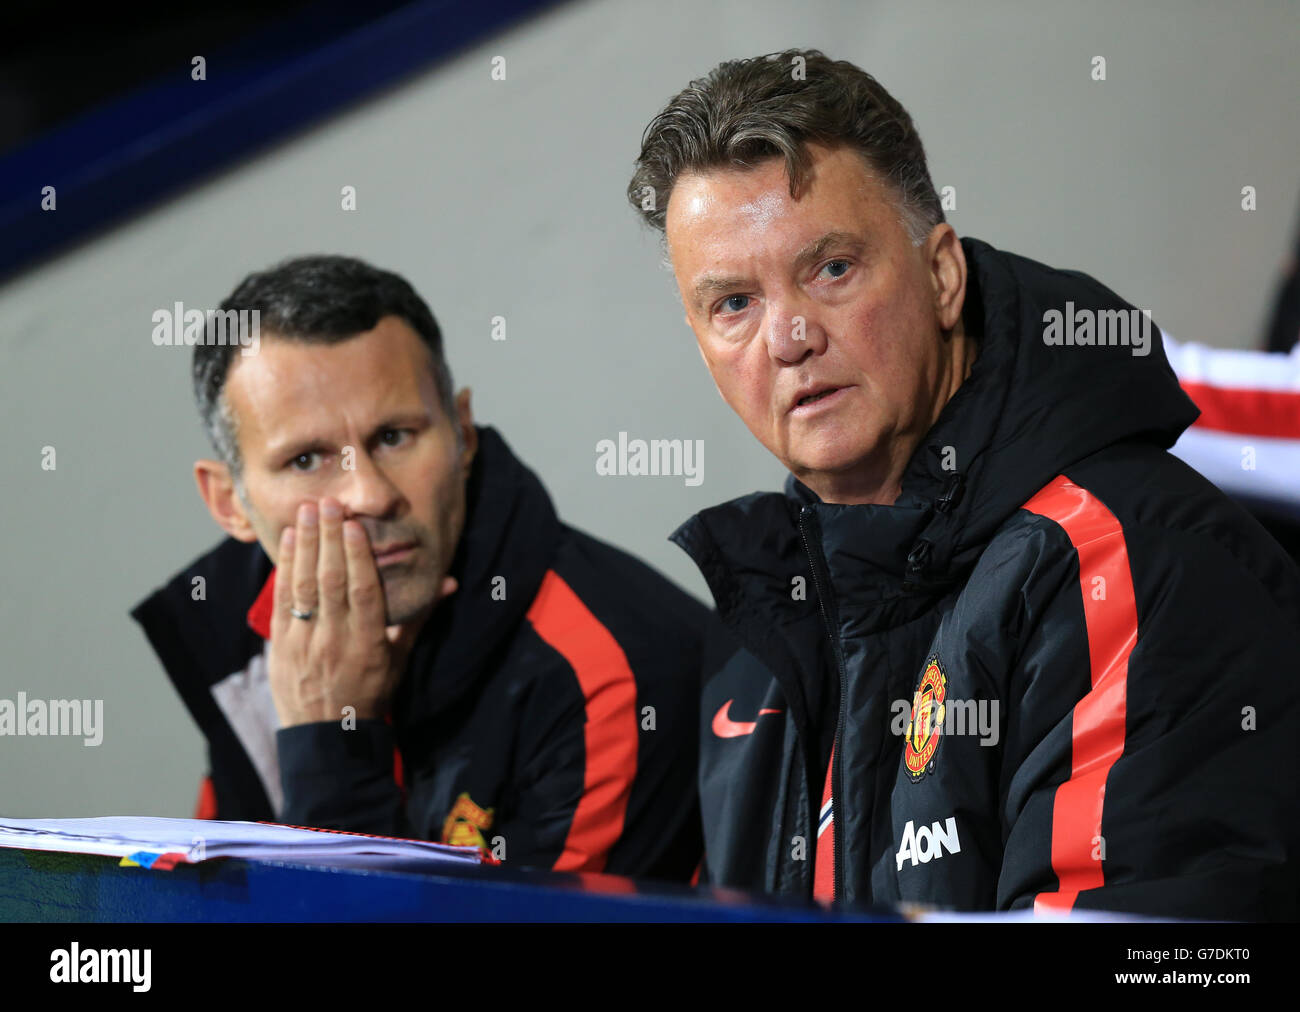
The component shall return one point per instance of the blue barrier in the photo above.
(49, 886)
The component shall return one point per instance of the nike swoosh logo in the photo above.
(725, 727)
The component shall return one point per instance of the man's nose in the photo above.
(793, 331)
(364, 489)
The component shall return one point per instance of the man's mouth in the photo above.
(387, 555)
(817, 395)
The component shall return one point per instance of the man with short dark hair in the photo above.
(433, 653)
(994, 647)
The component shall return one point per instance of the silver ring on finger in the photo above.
(305, 615)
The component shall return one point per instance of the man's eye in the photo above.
(837, 268)
(302, 462)
(734, 303)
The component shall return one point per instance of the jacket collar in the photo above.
(511, 534)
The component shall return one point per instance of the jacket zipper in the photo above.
(810, 531)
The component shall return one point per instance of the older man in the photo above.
(399, 636)
(994, 647)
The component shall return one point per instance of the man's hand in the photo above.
(343, 655)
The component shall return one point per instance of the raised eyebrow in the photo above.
(816, 250)
(713, 284)
(293, 450)
(406, 421)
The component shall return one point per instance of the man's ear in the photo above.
(948, 273)
(468, 434)
(219, 495)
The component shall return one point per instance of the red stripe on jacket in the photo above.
(610, 732)
(1098, 718)
(207, 803)
(824, 857)
(259, 615)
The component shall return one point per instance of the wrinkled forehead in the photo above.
(840, 190)
(293, 384)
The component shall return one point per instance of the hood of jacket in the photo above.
(511, 532)
(1029, 410)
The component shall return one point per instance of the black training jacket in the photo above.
(1107, 647)
(550, 718)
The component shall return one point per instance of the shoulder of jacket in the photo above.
(622, 588)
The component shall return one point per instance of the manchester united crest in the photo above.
(465, 823)
(925, 725)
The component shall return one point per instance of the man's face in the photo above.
(360, 421)
(821, 295)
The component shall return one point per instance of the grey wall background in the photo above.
(505, 199)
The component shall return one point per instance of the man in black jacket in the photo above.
(994, 647)
(434, 654)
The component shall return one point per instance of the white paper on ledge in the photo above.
(143, 840)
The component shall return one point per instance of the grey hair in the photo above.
(746, 111)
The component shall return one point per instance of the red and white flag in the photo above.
(1247, 439)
